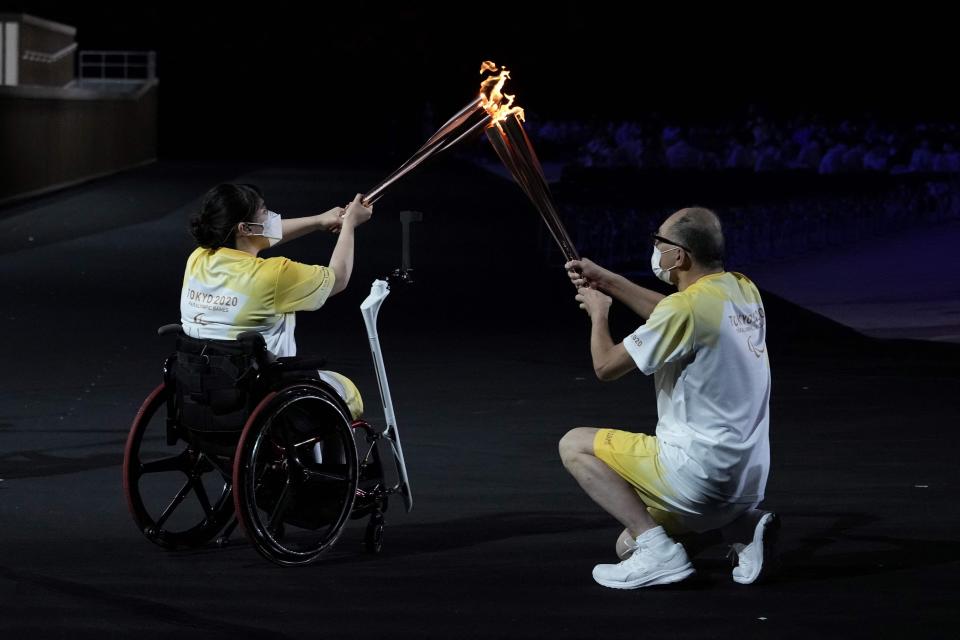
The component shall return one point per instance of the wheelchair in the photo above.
(233, 436)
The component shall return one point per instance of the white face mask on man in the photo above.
(272, 228)
(660, 272)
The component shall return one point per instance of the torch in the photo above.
(468, 121)
(515, 150)
(493, 111)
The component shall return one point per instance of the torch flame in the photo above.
(492, 96)
(491, 112)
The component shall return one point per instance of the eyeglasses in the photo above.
(656, 239)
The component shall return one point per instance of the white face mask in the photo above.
(272, 228)
(663, 274)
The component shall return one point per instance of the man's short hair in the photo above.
(699, 230)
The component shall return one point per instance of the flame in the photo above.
(492, 96)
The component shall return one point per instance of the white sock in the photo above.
(653, 537)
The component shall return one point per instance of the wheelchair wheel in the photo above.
(178, 496)
(373, 537)
(295, 474)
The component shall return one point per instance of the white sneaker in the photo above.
(754, 561)
(662, 562)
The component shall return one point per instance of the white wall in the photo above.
(10, 56)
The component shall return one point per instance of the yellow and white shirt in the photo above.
(707, 347)
(226, 292)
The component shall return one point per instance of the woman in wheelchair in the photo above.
(241, 431)
(228, 290)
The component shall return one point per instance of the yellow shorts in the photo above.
(634, 456)
(347, 390)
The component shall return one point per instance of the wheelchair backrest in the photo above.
(217, 382)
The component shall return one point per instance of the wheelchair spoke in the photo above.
(279, 509)
(173, 463)
(224, 467)
(202, 496)
(224, 498)
(326, 472)
(177, 499)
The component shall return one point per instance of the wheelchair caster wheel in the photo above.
(373, 540)
(150, 532)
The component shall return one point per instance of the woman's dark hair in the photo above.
(222, 208)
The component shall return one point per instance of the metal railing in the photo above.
(117, 66)
(49, 58)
